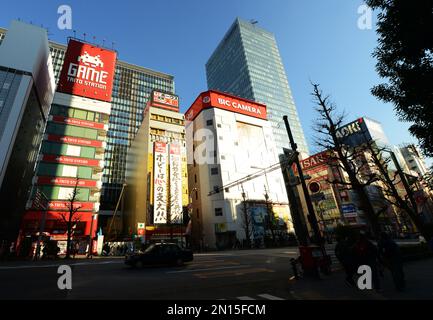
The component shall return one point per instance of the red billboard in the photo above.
(72, 160)
(215, 99)
(75, 140)
(70, 182)
(78, 122)
(165, 101)
(88, 71)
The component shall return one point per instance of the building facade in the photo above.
(157, 184)
(247, 63)
(229, 139)
(71, 159)
(26, 92)
(414, 159)
(132, 88)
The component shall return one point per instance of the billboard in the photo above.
(160, 183)
(215, 99)
(87, 71)
(175, 184)
(165, 101)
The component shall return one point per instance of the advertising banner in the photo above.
(165, 101)
(214, 99)
(175, 184)
(63, 205)
(70, 182)
(78, 122)
(160, 183)
(87, 71)
(74, 140)
(72, 160)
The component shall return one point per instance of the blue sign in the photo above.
(348, 208)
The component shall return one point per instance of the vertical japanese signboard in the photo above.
(160, 183)
(175, 184)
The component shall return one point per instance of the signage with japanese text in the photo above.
(175, 184)
(160, 183)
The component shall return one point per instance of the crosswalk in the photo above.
(262, 296)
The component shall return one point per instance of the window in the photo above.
(214, 171)
(219, 125)
(209, 122)
(218, 212)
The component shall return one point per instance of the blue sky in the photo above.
(318, 40)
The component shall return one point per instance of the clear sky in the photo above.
(318, 40)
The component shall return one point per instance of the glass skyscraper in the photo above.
(247, 63)
(132, 88)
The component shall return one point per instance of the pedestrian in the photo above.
(391, 258)
(12, 250)
(344, 253)
(366, 253)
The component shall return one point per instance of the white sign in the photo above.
(175, 184)
(160, 183)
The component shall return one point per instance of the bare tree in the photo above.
(350, 161)
(246, 219)
(71, 218)
(393, 196)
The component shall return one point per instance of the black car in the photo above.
(160, 254)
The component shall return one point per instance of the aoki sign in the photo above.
(88, 71)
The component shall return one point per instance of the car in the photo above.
(160, 254)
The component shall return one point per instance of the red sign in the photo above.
(70, 182)
(71, 160)
(74, 140)
(78, 122)
(316, 160)
(87, 71)
(215, 99)
(165, 101)
(63, 205)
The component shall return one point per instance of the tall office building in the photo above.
(26, 93)
(247, 63)
(132, 88)
(157, 185)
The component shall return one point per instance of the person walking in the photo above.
(344, 254)
(391, 258)
(366, 253)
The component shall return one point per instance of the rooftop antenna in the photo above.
(94, 39)
(103, 42)
(84, 34)
(252, 21)
(112, 45)
(75, 33)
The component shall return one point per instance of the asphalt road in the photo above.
(242, 275)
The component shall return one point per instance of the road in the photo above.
(243, 275)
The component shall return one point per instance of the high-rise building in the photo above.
(230, 143)
(26, 93)
(132, 88)
(69, 170)
(157, 184)
(414, 159)
(247, 63)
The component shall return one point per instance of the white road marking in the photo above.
(269, 296)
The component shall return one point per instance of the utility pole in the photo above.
(246, 218)
(311, 214)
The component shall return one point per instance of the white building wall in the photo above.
(238, 155)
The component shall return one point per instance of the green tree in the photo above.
(405, 59)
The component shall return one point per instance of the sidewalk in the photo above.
(419, 279)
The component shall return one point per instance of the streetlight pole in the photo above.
(311, 214)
